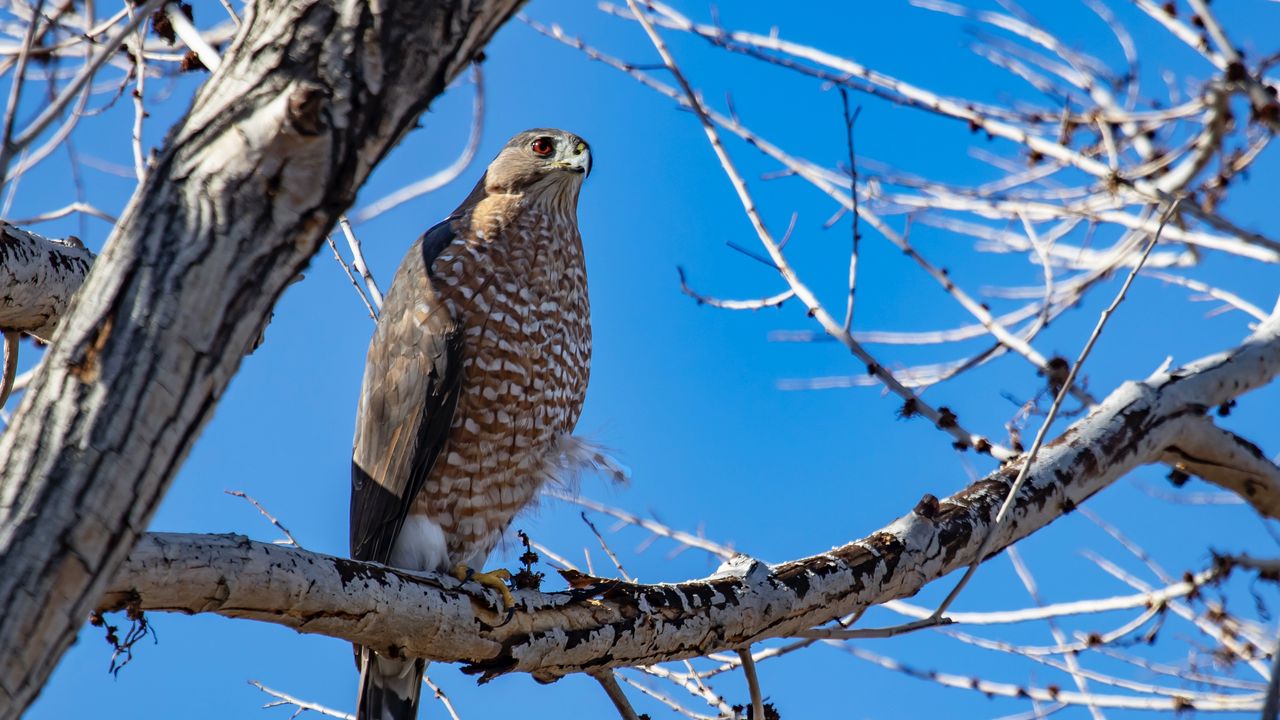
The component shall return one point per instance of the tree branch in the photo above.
(611, 623)
(39, 275)
(1229, 461)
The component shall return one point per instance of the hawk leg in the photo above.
(496, 579)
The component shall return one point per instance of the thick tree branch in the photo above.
(309, 97)
(39, 276)
(1225, 459)
(609, 623)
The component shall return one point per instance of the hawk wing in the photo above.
(412, 379)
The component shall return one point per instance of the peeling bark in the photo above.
(611, 623)
(39, 275)
(310, 96)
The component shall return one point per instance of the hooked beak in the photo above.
(576, 160)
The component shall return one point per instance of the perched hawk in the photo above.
(474, 381)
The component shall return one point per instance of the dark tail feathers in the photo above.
(389, 688)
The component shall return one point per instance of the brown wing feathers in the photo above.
(410, 362)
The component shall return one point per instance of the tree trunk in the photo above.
(311, 95)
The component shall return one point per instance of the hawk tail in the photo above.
(389, 688)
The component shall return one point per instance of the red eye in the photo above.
(542, 146)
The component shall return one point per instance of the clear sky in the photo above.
(689, 396)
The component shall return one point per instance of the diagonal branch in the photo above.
(1229, 461)
(611, 623)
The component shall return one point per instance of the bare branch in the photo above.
(849, 119)
(1062, 393)
(287, 699)
(755, 304)
(1072, 662)
(614, 691)
(945, 421)
(1229, 461)
(440, 695)
(873, 633)
(724, 552)
(279, 526)
(41, 275)
(191, 37)
(1225, 296)
(10, 365)
(1078, 607)
(107, 51)
(1242, 703)
(753, 683)
(437, 180)
(357, 261)
(612, 623)
(665, 700)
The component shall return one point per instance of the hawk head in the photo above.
(540, 159)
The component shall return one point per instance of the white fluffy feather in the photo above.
(420, 546)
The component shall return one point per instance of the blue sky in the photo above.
(689, 395)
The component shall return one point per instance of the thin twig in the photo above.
(753, 683)
(614, 691)
(226, 5)
(191, 37)
(1228, 639)
(871, 633)
(1226, 296)
(292, 541)
(692, 683)
(553, 556)
(849, 120)
(1078, 607)
(1083, 643)
(357, 261)
(437, 180)
(20, 75)
(753, 304)
(1242, 703)
(360, 290)
(1072, 661)
(79, 207)
(140, 113)
(10, 365)
(723, 552)
(286, 699)
(677, 707)
(444, 699)
(1184, 674)
(1052, 414)
(945, 421)
(106, 51)
(605, 546)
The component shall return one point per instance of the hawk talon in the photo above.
(495, 579)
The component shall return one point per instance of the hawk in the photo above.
(474, 381)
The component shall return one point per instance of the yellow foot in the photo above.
(496, 579)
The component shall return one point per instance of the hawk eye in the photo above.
(542, 147)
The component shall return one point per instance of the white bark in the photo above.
(614, 623)
(1231, 462)
(309, 97)
(39, 275)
